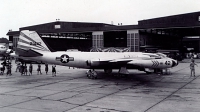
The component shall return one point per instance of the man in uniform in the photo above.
(192, 67)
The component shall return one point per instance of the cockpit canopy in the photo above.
(162, 55)
(156, 56)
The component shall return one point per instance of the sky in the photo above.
(15, 14)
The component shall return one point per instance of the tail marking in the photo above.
(31, 40)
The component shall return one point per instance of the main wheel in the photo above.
(94, 74)
(89, 72)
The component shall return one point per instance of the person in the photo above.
(2, 69)
(53, 70)
(22, 69)
(192, 68)
(30, 69)
(25, 70)
(9, 69)
(39, 69)
(190, 55)
(46, 68)
(192, 58)
(18, 67)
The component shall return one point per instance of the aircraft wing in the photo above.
(131, 61)
(113, 60)
(136, 62)
(125, 61)
(121, 60)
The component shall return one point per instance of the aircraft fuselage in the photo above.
(103, 60)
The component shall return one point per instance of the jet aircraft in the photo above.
(4, 51)
(32, 47)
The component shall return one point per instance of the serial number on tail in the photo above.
(35, 43)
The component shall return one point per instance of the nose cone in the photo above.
(2, 50)
(174, 63)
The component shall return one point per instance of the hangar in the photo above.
(83, 36)
(170, 32)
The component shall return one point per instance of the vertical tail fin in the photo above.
(31, 40)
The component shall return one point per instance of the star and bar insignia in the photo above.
(64, 58)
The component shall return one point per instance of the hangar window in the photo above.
(97, 41)
(57, 26)
(133, 41)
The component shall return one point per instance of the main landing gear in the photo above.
(91, 74)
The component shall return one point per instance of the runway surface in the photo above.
(72, 91)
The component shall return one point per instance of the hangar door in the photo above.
(115, 39)
(66, 41)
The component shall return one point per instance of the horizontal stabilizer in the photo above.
(27, 52)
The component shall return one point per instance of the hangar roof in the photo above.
(64, 25)
(174, 21)
(88, 29)
(13, 33)
(60, 26)
(188, 20)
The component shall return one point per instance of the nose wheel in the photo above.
(91, 74)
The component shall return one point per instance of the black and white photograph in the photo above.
(99, 56)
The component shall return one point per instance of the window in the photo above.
(97, 40)
(57, 26)
(133, 41)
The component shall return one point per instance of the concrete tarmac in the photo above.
(72, 91)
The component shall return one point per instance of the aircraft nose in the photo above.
(174, 63)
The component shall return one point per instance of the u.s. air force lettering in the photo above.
(64, 58)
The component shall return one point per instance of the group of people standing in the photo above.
(23, 69)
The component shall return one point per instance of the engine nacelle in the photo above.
(93, 62)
